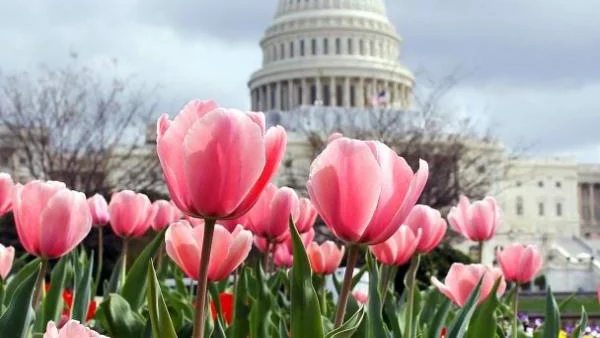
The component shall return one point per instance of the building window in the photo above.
(558, 209)
(541, 209)
(313, 47)
(372, 47)
(519, 206)
(519, 183)
(558, 184)
(301, 47)
(481, 169)
(291, 49)
(361, 47)
(281, 51)
(350, 47)
(338, 46)
(325, 46)
(541, 184)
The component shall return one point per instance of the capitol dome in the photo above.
(333, 52)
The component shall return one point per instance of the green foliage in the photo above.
(162, 326)
(82, 292)
(306, 312)
(19, 314)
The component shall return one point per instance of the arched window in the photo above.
(361, 47)
(541, 210)
(372, 47)
(301, 47)
(338, 46)
(325, 46)
(350, 46)
(313, 47)
(519, 206)
(281, 51)
(559, 209)
(291, 49)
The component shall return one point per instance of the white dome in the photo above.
(337, 52)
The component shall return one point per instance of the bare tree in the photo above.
(79, 126)
(463, 159)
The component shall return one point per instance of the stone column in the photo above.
(305, 93)
(278, 95)
(319, 93)
(269, 99)
(332, 92)
(592, 203)
(346, 92)
(360, 93)
(290, 94)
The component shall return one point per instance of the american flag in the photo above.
(380, 98)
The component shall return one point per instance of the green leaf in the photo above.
(552, 318)
(134, 289)
(53, 304)
(162, 326)
(432, 298)
(261, 311)
(18, 279)
(121, 321)
(82, 292)
(391, 317)
(483, 323)
(19, 314)
(459, 325)
(377, 328)
(240, 327)
(348, 329)
(113, 283)
(306, 318)
(579, 330)
(435, 328)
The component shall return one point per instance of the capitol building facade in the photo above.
(333, 52)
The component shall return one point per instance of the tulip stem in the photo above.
(124, 253)
(410, 281)
(323, 296)
(265, 257)
(40, 284)
(199, 320)
(347, 286)
(386, 274)
(160, 259)
(99, 260)
(515, 331)
(480, 245)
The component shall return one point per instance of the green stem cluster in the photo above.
(410, 282)
(347, 286)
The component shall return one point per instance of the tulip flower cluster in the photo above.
(219, 166)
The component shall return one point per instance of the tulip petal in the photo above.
(239, 249)
(221, 162)
(344, 184)
(275, 143)
(182, 246)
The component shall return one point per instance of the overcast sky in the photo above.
(531, 68)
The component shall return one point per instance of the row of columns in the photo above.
(590, 202)
(355, 92)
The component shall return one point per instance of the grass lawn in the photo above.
(538, 304)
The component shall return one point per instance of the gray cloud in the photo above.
(531, 65)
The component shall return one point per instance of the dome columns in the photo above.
(342, 91)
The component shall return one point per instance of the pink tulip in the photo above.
(164, 213)
(228, 251)
(433, 227)
(476, 222)
(363, 190)
(519, 263)
(51, 220)
(398, 249)
(334, 136)
(217, 161)
(306, 238)
(324, 258)
(6, 191)
(269, 218)
(130, 214)
(72, 329)
(462, 279)
(306, 217)
(7, 256)
(282, 257)
(361, 297)
(99, 210)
